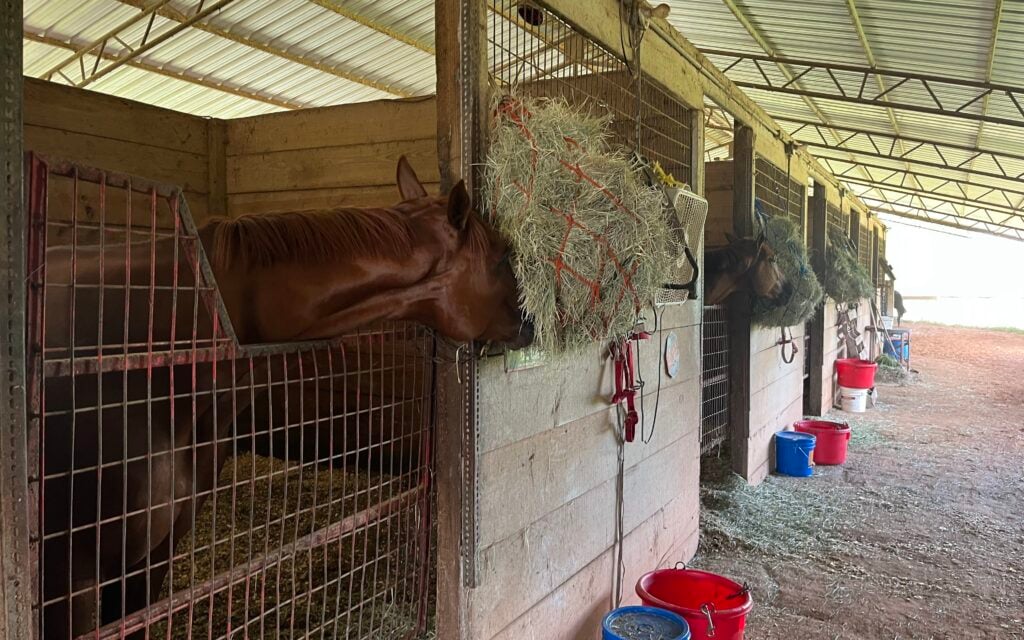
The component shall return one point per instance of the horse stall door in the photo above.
(714, 407)
(187, 486)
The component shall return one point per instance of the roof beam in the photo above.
(170, 13)
(851, 7)
(387, 30)
(997, 19)
(178, 75)
(147, 43)
(762, 41)
(916, 175)
(1005, 213)
(925, 83)
(947, 220)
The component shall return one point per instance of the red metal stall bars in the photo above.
(187, 486)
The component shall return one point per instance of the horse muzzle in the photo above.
(524, 338)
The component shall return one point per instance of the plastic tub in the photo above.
(794, 453)
(830, 439)
(641, 623)
(853, 400)
(713, 605)
(855, 373)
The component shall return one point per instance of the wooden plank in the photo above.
(768, 403)
(697, 168)
(818, 227)
(558, 465)
(336, 126)
(768, 366)
(184, 169)
(330, 167)
(576, 607)
(520, 404)
(544, 556)
(55, 106)
(216, 163)
(761, 460)
(738, 309)
(299, 199)
(719, 175)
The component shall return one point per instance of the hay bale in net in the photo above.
(785, 239)
(592, 243)
(845, 279)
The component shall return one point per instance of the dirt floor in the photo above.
(919, 535)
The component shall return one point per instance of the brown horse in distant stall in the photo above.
(140, 466)
(745, 265)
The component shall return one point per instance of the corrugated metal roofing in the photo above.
(948, 38)
(256, 56)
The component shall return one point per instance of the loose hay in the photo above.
(307, 592)
(592, 241)
(784, 238)
(845, 280)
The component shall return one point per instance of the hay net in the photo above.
(592, 242)
(784, 237)
(845, 279)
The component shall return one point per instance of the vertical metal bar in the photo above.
(16, 578)
(30, 585)
(124, 390)
(72, 351)
(99, 385)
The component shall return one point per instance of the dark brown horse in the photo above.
(747, 265)
(130, 456)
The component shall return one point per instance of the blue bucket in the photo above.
(794, 453)
(636, 623)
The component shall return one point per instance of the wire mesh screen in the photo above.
(535, 52)
(864, 246)
(190, 487)
(780, 194)
(834, 219)
(714, 408)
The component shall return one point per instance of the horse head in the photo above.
(480, 299)
(746, 264)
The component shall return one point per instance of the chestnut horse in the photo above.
(125, 476)
(746, 265)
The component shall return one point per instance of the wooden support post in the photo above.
(17, 582)
(697, 151)
(739, 305)
(460, 29)
(816, 353)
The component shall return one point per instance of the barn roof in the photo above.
(916, 105)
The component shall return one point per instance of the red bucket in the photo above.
(714, 606)
(830, 442)
(855, 373)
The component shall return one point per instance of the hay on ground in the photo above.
(592, 241)
(787, 242)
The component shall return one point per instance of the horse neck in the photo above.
(297, 300)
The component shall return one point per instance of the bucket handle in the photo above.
(706, 609)
(680, 565)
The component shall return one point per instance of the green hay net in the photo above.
(592, 240)
(785, 239)
(844, 279)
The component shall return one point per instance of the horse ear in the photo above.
(409, 186)
(459, 206)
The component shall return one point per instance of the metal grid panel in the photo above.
(190, 487)
(864, 245)
(554, 59)
(780, 193)
(835, 219)
(714, 407)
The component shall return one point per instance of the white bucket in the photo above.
(853, 400)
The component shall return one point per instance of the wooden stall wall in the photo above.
(329, 157)
(776, 387)
(123, 136)
(718, 187)
(548, 466)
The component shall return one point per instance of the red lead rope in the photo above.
(625, 381)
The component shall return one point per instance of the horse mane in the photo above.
(309, 236)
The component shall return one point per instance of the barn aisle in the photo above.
(919, 535)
